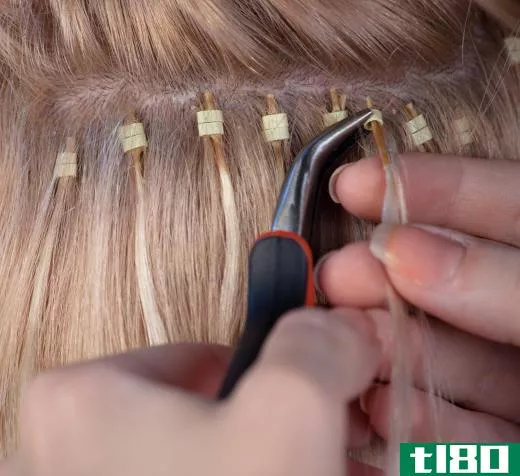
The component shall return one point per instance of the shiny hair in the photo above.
(130, 253)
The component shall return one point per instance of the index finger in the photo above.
(476, 196)
(335, 354)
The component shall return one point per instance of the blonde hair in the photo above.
(141, 248)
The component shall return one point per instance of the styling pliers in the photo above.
(281, 261)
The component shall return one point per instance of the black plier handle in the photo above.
(280, 279)
(281, 261)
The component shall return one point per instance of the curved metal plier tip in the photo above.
(295, 208)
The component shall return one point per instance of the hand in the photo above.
(138, 413)
(467, 274)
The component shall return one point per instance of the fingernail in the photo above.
(379, 242)
(333, 180)
(317, 269)
(364, 400)
(418, 255)
(363, 403)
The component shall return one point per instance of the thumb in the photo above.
(331, 353)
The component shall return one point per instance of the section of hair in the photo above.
(135, 147)
(86, 64)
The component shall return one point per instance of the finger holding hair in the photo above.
(471, 283)
(475, 196)
(459, 262)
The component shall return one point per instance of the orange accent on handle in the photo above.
(310, 296)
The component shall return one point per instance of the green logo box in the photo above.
(446, 459)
